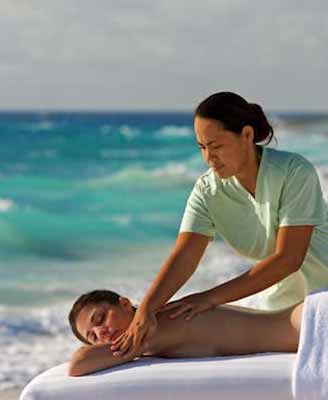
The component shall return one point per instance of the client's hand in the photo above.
(141, 329)
(190, 305)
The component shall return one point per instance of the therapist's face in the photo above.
(101, 323)
(226, 152)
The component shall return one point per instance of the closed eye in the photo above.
(99, 318)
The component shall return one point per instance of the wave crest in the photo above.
(6, 205)
(169, 174)
(175, 131)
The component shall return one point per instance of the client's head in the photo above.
(100, 316)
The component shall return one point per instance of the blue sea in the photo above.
(94, 200)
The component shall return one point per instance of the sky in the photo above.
(162, 55)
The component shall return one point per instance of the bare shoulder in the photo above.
(170, 332)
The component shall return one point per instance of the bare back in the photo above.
(227, 330)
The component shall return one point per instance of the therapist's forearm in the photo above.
(171, 277)
(264, 274)
(177, 269)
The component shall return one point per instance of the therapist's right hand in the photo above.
(135, 338)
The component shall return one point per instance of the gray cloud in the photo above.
(165, 54)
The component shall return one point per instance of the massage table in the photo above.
(265, 376)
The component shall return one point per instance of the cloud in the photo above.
(164, 54)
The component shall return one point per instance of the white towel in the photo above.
(310, 373)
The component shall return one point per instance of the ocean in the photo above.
(94, 200)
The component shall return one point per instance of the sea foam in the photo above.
(174, 131)
(6, 205)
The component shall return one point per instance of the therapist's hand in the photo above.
(189, 306)
(136, 337)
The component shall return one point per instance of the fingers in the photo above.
(191, 315)
(181, 305)
(169, 306)
(116, 344)
(131, 346)
(125, 347)
(181, 310)
(130, 342)
(136, 346)
(127, 344)
(121, 348)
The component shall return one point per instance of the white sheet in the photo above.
(255, 377)
(310, 376)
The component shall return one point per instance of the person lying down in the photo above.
(100, 316)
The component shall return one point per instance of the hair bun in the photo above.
(263, 128)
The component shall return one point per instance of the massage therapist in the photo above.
(267, 204)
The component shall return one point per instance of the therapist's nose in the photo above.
(210, 155)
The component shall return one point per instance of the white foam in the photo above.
(174, 131)
(176, 170)
(32, 343)
(41, 126)
(123, 220)
(169, 174)
(129, 132)
(6, 205)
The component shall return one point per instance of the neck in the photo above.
(248, 177)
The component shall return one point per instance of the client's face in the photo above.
(103, 322)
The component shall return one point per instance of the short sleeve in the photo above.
(301, 201)
(196, 216)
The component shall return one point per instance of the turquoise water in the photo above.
(79, 187)
(95, 200)
(83, 188)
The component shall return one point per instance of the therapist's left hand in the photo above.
(189, 306)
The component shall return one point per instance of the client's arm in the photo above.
(88, 359)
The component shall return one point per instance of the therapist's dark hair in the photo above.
(94, 297)
(234, 112)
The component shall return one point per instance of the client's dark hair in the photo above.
(94, 297)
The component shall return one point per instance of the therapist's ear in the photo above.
(248, 133)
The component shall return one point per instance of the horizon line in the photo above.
(141, 111)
